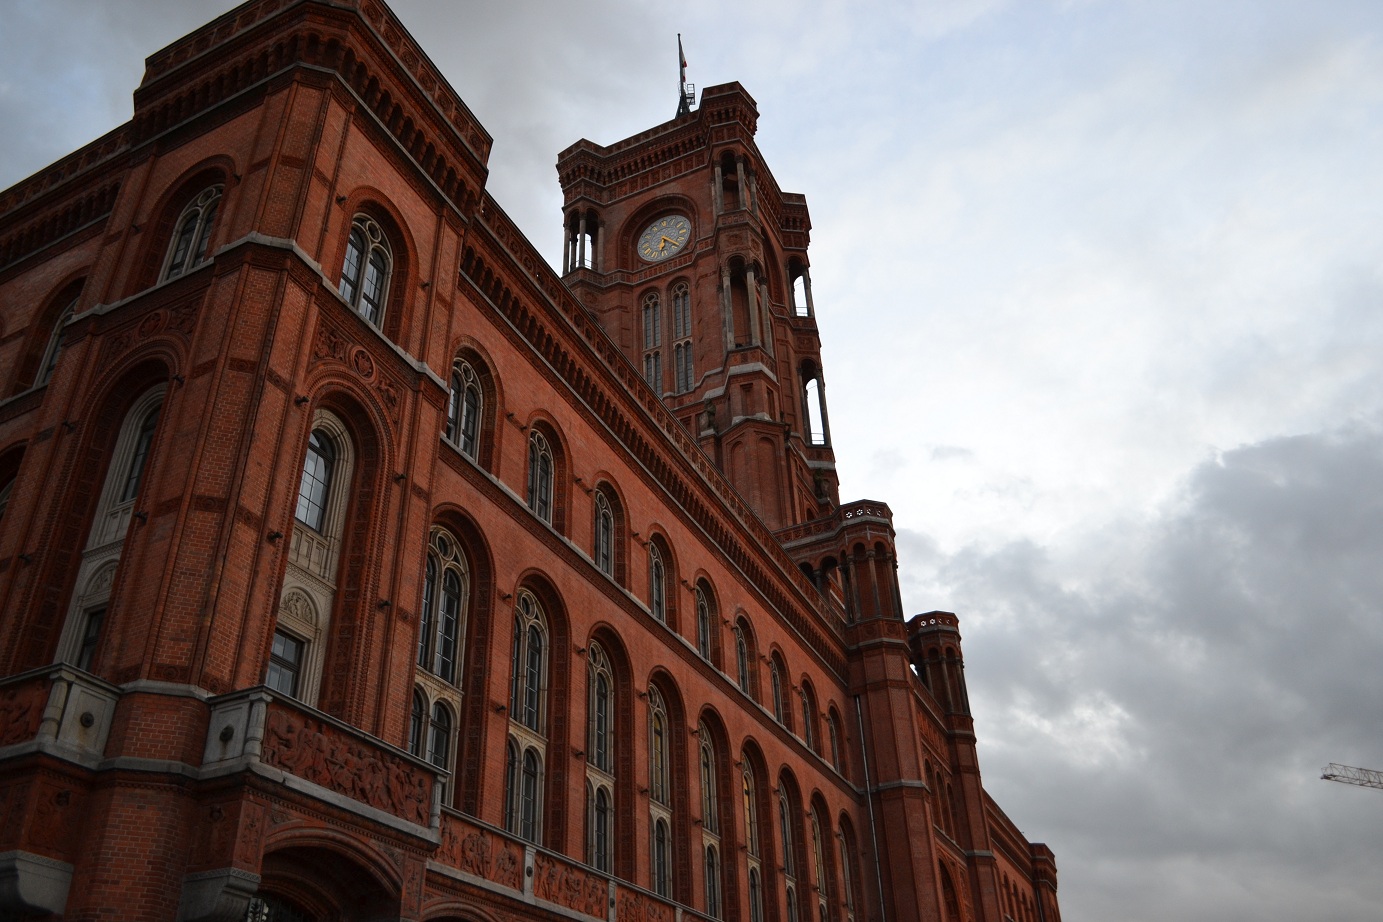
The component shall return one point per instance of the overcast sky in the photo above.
(1100, 292)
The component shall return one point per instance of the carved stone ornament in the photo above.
(315, 751)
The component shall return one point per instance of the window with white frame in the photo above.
(464, 405)
(753, 853)
(823, 879)
(365, 272)
(192, 233)
(741, 659)
(847, 872)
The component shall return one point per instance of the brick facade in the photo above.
(356, 565)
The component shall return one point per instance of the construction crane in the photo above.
(1348, 774)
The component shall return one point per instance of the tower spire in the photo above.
(686, 92)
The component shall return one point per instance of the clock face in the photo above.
(664, 237)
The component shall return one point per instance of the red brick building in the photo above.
(356, 565)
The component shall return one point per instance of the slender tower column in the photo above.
(751, 291)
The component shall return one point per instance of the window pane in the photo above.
(528, 823)
(141, 455)
(91, 637)
(425, 623)
(449, 623)
(285, 664)
(316, 481)
(355, 257)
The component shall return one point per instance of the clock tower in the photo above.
(681, 244)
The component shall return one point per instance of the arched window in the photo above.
(681, 332)
(309, 582)
(5, 490)
(527, 719)
(741, 660)
(540, 476)
(659, 785)
(785, 833)
(657, 583)
(751, 813)
(528, 800)
(101, 552)
(789, 856)
(600, 756)
(441, 627)
(710, 813)
(365, 273)
(703, 623)
(833, 732)
(193, 232)
(50, 352)
(653, 341)
(823, 879)
(808, 715)
(712, 882)
(847, 871)
(662, 859)
(315, 484)
(756, 897)
(660, 789)
(464, 406)
(600, 831)
(439, 736)
(604, 534)
(417, 723)
(775, 678)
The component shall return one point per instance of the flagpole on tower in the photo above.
(686, 92)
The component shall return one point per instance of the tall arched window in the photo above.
(309, 582)
(847, 870)
(775, 679)
(660, 790)
(662, 859)
(833, 732)
(82, 635)
(54, 347)
(604, 534)
(753, 853)
(417, 723)
(657, 583)
(527, 719)
(600, 757)
(741, 660)
(710, 812)
(823, 879)
(712, 882)
(808, 715)
(365, 273)
(439, 737)
(789, 861)
(709, 761)
(681, 333)
(540, 476)
(703, 623)
(188, 249)
(441, 627)
(464, 405)
(653, 341)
